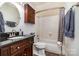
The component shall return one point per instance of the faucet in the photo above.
(13, 34)
(13, 30)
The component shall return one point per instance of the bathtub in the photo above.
(51, 46)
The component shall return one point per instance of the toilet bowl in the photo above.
(40, 48)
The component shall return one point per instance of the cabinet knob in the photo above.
(18, 47)
(25, 54)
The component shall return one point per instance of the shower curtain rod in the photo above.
(50, 9)
(76, 4)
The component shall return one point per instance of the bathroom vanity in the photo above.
(17, 46)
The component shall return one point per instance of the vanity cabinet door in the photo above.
(18, 48)
(14, 48)
(29, 51)
(5, 51)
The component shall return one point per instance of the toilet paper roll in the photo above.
(59, 43)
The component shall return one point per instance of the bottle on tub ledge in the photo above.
(21, 32)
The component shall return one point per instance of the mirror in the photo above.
(10, 14)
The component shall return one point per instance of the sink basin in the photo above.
(5, 42)
(18, 37)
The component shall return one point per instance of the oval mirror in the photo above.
(10, 14)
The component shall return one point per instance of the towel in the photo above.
(69, 23)
(2, 28)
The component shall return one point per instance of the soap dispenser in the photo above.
(21, 32)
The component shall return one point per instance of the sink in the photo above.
(12, 39)
(18, 37)
(5, 42)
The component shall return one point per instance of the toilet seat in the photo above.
(40, 48)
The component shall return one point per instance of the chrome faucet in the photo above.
(13, 34)
(13, 30)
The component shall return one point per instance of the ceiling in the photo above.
(38, 6)
(46, 5)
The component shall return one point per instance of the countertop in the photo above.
(9, 41)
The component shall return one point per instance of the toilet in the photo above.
(40, 48)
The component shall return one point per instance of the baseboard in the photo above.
(55, 53)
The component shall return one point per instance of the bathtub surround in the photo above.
(47, 28)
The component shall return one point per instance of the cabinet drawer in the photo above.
(14, 48)
(18, 46)
(5, 51)
(22, 44)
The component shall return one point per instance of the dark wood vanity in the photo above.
(19, 48)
